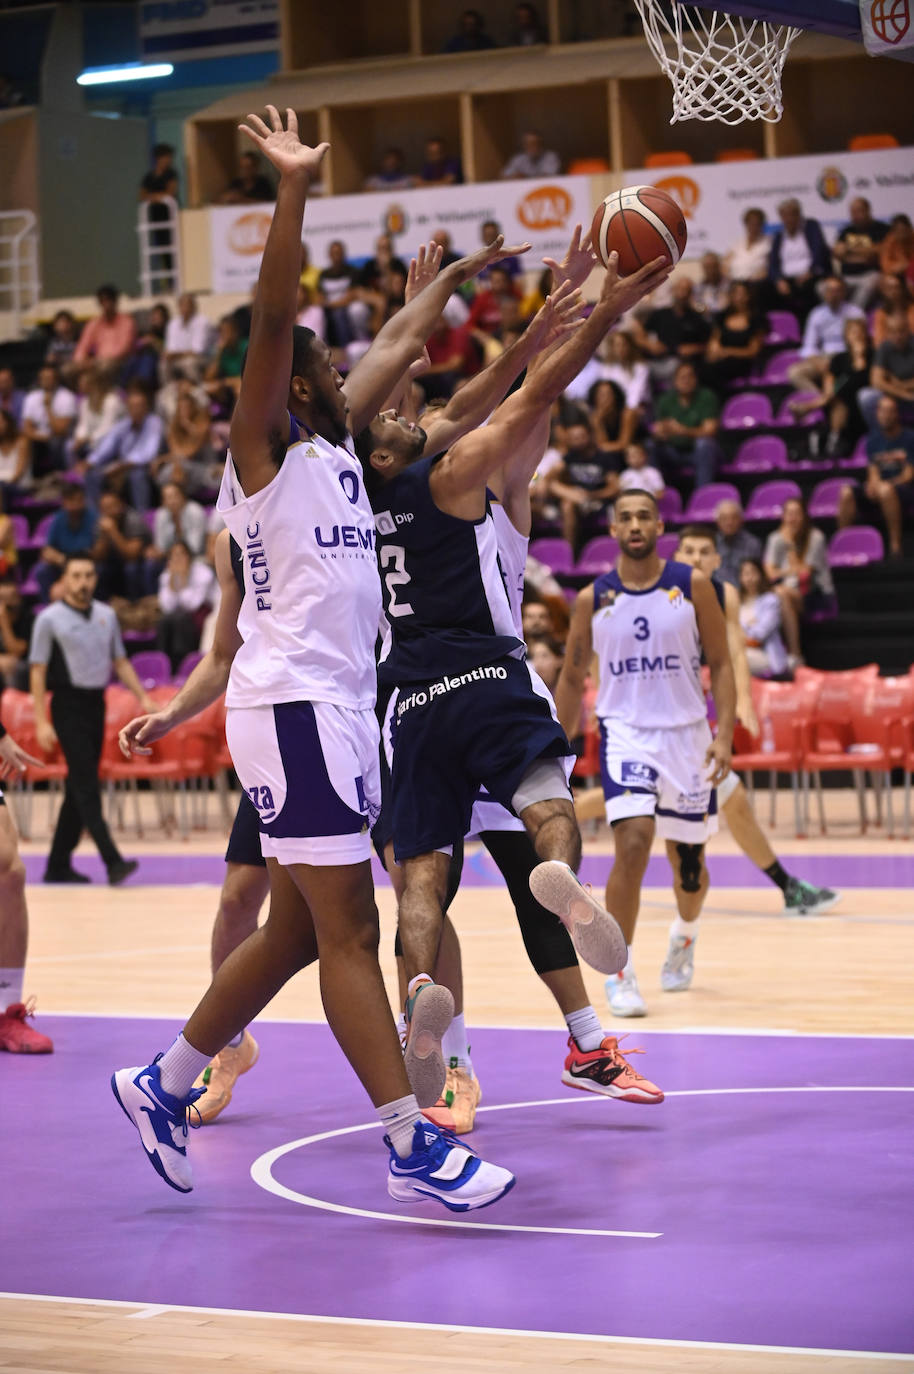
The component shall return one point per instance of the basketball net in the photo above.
(722, 67)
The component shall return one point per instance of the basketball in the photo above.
(639, 223)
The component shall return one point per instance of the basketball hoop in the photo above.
(721, 66)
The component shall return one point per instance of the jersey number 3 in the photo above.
(642, 628)
(393, 557)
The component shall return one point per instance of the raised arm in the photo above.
(209, 679)
(259, 423)
(403, 337)
(470, 463)
(569, 690)
(712, 631)
(475, 401)
(736, 643)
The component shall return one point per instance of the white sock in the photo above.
(414, 982)
(10, 986)
(401, 1027)
(454, 1045)
(398, 1119)
(584, 1026)
(180, 1066)
(684, 930)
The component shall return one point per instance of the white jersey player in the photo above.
(649, 623)
(301, 721)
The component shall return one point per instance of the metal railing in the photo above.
(160, 249)
(20, 285)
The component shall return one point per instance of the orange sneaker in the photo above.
(220, 1076)
(19, 1038)
(441, 1115)
(463, 1095)
(607, 1071)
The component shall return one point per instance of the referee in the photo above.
(75, 644)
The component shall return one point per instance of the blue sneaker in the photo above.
(442, 1167)
(160, 1119)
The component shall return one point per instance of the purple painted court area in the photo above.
(727, 870)
(782, 1215)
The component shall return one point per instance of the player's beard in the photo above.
(641, 551)
(330, 419)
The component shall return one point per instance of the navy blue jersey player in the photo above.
(468, 713)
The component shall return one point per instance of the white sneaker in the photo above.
(441, 1168)
(679, 964)
(624, 996)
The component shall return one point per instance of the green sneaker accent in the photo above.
(449, 1098)
(207, 1074)
(452, 1062)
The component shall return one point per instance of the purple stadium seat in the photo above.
(556, 554)
(671, 506)
(39, 537)
(152, 667)
(823, 503)
(597, 556)
(767, 500)
(778, 366)
(187, 665)
(20, 531)
(763, 453)
(667, 545)
(854, 546)
(783, 327)
(150, 517)
(747, 411)
(786, 418)
(704, 501)
(858, 458)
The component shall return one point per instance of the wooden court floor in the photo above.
(144, 951)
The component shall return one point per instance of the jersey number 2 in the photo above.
(395, 554)
(642, 628)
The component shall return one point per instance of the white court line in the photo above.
(262, 1168)
(261, 1173)
(497, 1025)
(314, 1318)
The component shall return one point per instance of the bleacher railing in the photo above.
(160, 249)
(20, 285)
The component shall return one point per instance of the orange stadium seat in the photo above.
(676, 158)
(868, 143)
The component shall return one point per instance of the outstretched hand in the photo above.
(578, 262)
(282, 146)
(488, 256)
(561, 314)
(423, 269)
(624, 292)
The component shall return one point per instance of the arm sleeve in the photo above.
(42, 641)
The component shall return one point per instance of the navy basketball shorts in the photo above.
(311, 770)
(382, 830)
(244, 841)
(454, 734)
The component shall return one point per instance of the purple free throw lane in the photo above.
(781, 1213)
(727, 870)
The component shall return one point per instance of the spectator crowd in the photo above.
(114, 447)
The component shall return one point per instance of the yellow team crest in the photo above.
(675, 595)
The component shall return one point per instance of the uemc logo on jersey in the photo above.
(662, 663)
(255, 556)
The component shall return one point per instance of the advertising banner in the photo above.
(888, 26)
(188, 29)
(715, 196)
(542, 213)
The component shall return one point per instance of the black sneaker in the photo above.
(119, 872)
(803, 899)
(65, 875)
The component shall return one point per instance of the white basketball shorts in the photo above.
(659, 773)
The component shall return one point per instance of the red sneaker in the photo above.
(19, 1038)
(607, 1071)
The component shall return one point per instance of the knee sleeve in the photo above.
(546, 940)
(544, 780)
(690, 866)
